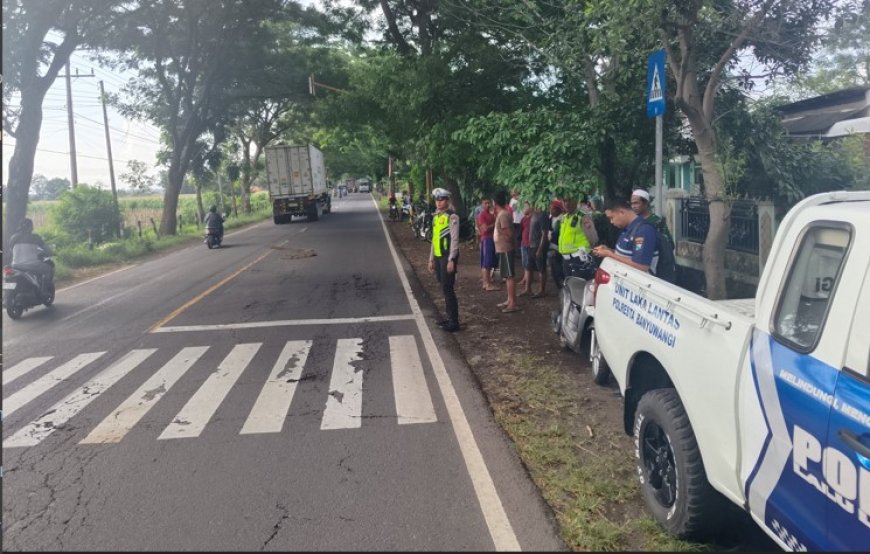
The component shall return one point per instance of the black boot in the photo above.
(451, 326)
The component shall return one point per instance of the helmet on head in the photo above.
(26, 225)
(440, 192)
(212, 209)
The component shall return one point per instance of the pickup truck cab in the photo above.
(764, 402)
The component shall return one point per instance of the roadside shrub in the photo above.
(86, 208)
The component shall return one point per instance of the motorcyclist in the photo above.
(29, 251)
(214, 220)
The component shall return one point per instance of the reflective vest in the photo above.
(571, 235)
(441, 233)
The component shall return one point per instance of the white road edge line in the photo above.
(283, 323)
(125, 268)
(493, 511)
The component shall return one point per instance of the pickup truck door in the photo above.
(789, 489)
(848, 449)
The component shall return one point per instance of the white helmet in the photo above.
(440, 192)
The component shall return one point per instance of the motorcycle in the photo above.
(213, 238)
(23, 289)
(574, 322)
(422, 224)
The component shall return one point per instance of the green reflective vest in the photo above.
(571, 235)
(441, 234)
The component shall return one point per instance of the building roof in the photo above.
(819, 115)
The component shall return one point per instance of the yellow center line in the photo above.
(205, 293)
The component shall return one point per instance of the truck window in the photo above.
(810, 286)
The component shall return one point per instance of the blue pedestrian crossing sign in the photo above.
(655, 84)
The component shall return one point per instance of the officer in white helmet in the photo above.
(444, 255)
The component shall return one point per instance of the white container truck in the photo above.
(297, 182)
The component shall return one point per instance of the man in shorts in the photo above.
(488, 259)
(505, 246)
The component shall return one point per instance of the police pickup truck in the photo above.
(764, 402)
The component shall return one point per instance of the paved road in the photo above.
(284, 392)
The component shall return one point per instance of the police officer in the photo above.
(444, 256)
(577, 235)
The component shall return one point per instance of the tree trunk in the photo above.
(21, 164)
(168, 221)
(720, 212)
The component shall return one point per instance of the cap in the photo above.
(556, 204)
(440, 192)
(641, 193)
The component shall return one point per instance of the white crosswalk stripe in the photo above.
(271, 407)
(268, 413)
(128, 414)
(194, 416)
(23, 368)
(344, 403)
(61, 412)
(413, 403)
(46, 382)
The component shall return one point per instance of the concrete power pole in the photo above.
(74, 170)
(109, 149)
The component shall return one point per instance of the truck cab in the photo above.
(764, 402)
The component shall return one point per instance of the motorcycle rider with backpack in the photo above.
(28, 250)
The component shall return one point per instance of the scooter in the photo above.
(23, 289)
(213, 238)
(574, 320)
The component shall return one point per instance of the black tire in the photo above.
(14, 310)
(313, 212)
(428, 236)
(672, 478)
(600, 369)
(209, 241)
(278, 219)
(48, 299)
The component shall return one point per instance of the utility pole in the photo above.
(109, 148)
(313, 85)
(74, 170)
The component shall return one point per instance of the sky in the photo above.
(130, 139)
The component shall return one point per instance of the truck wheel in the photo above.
(278, 219)
(313, 210)
(600, 369)
(672, 478)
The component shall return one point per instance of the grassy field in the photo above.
(141, 216)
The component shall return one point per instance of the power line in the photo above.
(67, 153)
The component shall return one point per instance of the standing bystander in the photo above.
(504, 248)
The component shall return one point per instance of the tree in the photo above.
(86, 213)
(38, 38)
(702, 40)
(195, 59)
(137, 176)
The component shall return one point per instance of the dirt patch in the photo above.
(567, 430)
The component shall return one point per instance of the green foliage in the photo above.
(540, 152)
(86, 209)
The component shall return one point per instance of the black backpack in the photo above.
(666, 267)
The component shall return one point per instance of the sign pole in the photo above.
(655, 107)
(659, 198)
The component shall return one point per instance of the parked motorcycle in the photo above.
(423, 222)
(213, 238)
(23, 289)
(574, 320)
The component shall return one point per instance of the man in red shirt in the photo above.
(488, 259)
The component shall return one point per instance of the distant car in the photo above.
(364, 187)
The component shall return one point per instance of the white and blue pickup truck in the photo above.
(764, 402)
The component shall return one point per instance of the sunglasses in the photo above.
(443, 198)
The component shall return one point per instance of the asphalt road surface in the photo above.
(283, 392)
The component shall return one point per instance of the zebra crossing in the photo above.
(342, 407)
